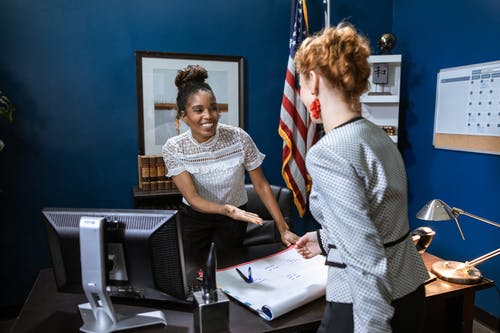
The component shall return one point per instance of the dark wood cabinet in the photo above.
(166, 199)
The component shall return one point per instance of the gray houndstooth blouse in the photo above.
(359, 196)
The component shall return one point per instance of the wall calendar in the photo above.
(467, 115)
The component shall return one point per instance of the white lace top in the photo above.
(216, 166)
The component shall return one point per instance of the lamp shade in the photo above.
(436, 210)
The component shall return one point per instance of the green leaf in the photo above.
(6, 108)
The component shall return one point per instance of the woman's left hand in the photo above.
(308, 245)
(288, 238)
(242, 215)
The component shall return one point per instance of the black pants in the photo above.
(199, 230)
(409, 315)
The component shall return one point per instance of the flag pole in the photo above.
(327, 14)
(295, 128)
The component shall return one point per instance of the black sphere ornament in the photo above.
(386, 42)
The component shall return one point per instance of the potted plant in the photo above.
(6, 111)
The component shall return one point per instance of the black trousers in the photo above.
(199, 230)
(409, 315)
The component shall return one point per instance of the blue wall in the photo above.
(70, 69)
(434, 35)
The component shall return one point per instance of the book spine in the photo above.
(171, 184)
(146, 182)
(161, 172)
(153, 175)
(139, 172)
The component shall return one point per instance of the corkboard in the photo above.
(475, 143)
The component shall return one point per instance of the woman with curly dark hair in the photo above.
(208, 164)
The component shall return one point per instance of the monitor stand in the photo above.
(98, 314)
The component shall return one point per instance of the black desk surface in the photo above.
(47, 310)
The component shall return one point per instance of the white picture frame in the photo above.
(156, 93)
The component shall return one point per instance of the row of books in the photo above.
(390, 130)
(152, 174)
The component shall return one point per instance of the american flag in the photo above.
(296, 129)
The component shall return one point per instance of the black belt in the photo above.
(386, 245)
(399, 240)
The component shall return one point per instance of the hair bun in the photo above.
(191, 73)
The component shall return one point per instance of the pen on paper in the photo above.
(243, 276)
(250, 278)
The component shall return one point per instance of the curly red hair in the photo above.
(339, 54)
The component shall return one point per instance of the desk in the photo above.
(450, 306)
(46, 310)
(450, 309)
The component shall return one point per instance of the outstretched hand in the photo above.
(242, 215)
(288, 238)
(307, 246)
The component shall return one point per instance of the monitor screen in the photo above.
(143, 252)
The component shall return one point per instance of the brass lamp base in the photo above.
(456, 272)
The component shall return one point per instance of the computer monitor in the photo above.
(143, 251)
(121, 253)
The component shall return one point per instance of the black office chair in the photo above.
(267, 233)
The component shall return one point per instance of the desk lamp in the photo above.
(453, 271)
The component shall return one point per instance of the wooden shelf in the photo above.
(385, 58)
(166, 199)
(380, 99)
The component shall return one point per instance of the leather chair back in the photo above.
(267, 233)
